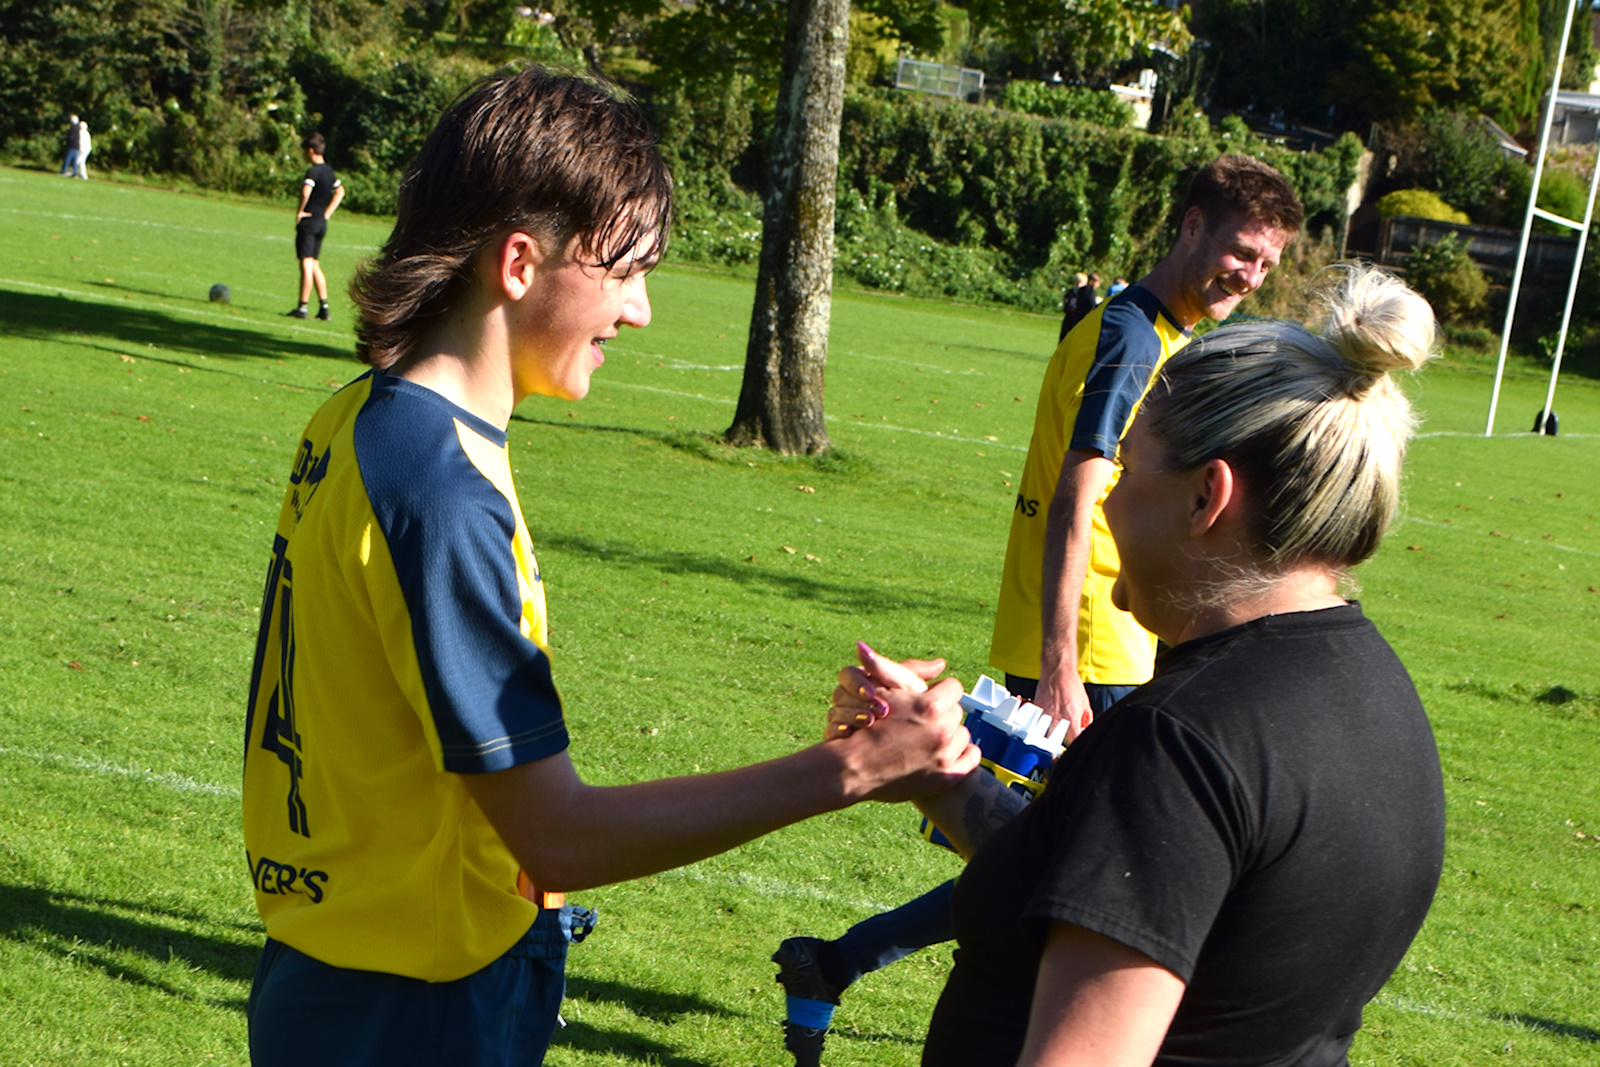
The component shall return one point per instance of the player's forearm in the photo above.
(1069, 531)
(568, 835)
(969, 814)
(630, 831)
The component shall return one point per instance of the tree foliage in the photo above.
(1359, 60)
(1081, 40)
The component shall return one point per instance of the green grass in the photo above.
(144, 438)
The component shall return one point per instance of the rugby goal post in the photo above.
(1573, 102)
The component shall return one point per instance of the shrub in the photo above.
(1562, 192)
(1100, 106)
(1421, 204)
(1451, 282)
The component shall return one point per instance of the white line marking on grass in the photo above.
(932, 433)
(1417, 1007)
(952, 437)
(1497, 437)
(1503, 537)
(668, 392)
(923, 366)
(771, 887)
(170, 226)
(180, 783)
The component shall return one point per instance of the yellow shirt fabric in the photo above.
(402, 646)
(1092, 388)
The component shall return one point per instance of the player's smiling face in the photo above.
(574, 308)
(1225, 262)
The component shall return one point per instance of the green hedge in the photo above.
(1101, 106)
(949, 200)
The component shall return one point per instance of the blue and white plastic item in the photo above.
(1018, 741)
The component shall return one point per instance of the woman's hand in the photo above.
(860, 698)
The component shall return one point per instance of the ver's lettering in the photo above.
(276, 879)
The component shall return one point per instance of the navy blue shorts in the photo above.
(310, 1014)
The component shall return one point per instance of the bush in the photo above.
(1562, 192)
(1449, 280)
(1420, 204)
(1100, 106)
(944, 199)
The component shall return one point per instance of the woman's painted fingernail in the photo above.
(863, 717)
(881, 707)
(865, 649)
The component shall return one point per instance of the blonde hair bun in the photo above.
(1376, 322)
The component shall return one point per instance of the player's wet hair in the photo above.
(1312, 424)
(1244, 188)
(563, 159)
(314, 142)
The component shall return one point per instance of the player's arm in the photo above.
(1069, 529)
(305, 198)
(570, 836)
(1097, 1003)
(970, 812)
(333, 205)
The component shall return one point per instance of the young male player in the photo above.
(409, 803)
(320, 194)
(1057, 636)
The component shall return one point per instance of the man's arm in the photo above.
(1069, 528)
(569, 836)
(305, 197)
(970, 813)
(333, 205)
(1097, 1003)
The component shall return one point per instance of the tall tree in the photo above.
(780, 402)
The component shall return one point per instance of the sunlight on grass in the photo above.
(701, 600)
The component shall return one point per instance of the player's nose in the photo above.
(636, 302)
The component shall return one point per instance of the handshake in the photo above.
(1009, 737)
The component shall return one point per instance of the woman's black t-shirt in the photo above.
(1265, 818)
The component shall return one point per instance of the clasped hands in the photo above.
(890, 708)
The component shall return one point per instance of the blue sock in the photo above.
(812, 1014)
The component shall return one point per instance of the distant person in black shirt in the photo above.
(320, 194)
(1229, 864)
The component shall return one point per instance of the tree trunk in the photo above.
(780, 404)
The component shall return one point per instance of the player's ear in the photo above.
(515, 262)
(1193, 224)
(1214, 497)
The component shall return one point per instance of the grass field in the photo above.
(701, 600)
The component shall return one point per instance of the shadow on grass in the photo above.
(1549, 1026)
(645, 1003)
(844, 598)
(102, 934)
(624, 1046)
(46, 317)
(649, 1004)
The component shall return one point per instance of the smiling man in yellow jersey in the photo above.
(1056, 631)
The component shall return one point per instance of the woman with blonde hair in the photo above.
(1230, 863)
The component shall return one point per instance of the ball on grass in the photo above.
(221, 294)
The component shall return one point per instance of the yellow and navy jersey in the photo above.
(1100, 372)
(402, 645)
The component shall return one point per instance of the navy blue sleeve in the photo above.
(449, 532)
(1126, 354)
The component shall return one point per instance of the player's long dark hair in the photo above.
(557, 157)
